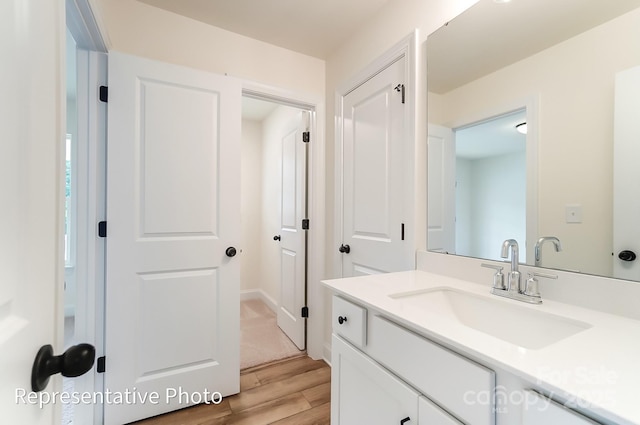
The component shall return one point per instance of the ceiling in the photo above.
(491, 138)
(532, 25)
(314, 28)
(256, 109)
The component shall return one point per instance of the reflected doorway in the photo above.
(491, 186)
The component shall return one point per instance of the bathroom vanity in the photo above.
(420, 347)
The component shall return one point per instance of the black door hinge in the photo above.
(102, 229)
(306, 137)
(104, 94)
(305, 224)
(400, 88)
(101, 365)
(305, 312)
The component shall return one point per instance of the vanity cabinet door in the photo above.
(362, 392)
(540, 410)
(430, 414)
(449, 379)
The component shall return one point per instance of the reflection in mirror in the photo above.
(490, 201)
(493, 59)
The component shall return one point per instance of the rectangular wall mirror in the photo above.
(532, 112)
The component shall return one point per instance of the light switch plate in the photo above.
(573, 213)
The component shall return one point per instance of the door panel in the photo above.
(172, 314)
(371, 166)
(626, 203)
(441, 210)
(373, 135)
(32, 177)
(178, 167)
(293, 237)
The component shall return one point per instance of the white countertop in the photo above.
(598, 368)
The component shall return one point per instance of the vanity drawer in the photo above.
(349, 321)
(455, 383)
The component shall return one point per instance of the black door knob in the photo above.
(76, 361)
(345, 249)
(231, 252)
(276, 238)
(627, 255)
(342, 319)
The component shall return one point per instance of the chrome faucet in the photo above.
(513, 284)
(514, 289)
(538, 248)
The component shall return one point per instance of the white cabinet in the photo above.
(381, 373)
(349, 321)
(540, 410)
(447, 378)
(362, 392)
(430, 414)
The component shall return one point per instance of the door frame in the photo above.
(531, 105)
(315, 204)
(92, 45)
(405, 49)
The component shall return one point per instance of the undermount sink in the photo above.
(507, 321)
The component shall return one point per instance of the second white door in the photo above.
(293, 210)
(373, 117)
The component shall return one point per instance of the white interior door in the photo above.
(373, 141)
(293, 236)
(31, 182)
(172, 298)
(441, 183)
(626, 174)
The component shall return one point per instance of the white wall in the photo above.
(251, 204)
(496, 205)
(574, 166)
(139, 29)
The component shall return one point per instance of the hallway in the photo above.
(261, 340)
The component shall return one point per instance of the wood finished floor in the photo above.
(290, 392)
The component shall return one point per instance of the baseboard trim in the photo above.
(327, 353)
(252, 294)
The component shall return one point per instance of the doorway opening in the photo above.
(84, 182)
(491, 185)
(72, 268)
(273, 207)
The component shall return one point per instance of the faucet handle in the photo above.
(531, 287)
(498, 278)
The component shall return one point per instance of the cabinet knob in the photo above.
(342, 319)
(405, 420)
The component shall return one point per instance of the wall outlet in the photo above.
(573, 213)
